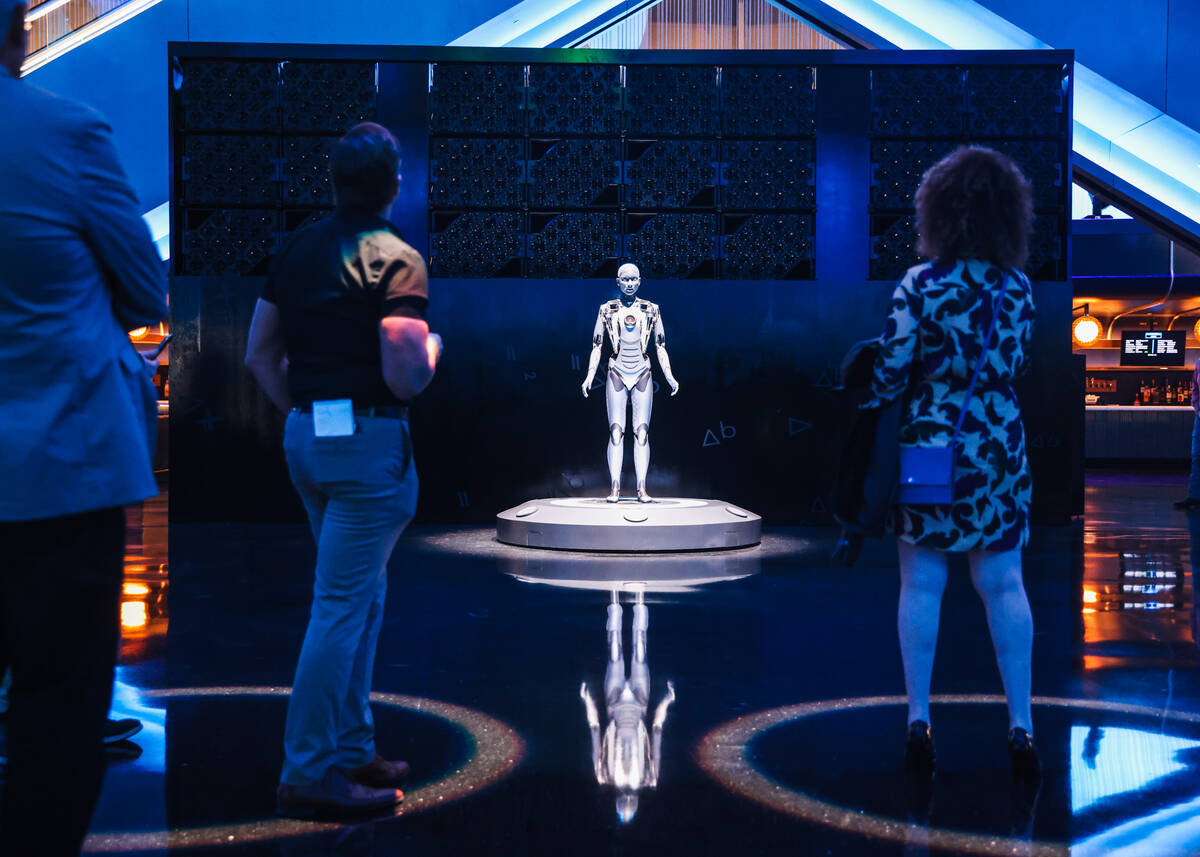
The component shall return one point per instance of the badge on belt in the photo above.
(333, 418)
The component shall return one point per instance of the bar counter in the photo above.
(1138, 431)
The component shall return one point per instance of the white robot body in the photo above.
(626, 754)
(631, 325)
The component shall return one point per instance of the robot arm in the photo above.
(660, 343)
(660, 719)
(597, 345)
(593, 719)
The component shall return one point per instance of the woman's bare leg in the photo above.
(997, 579)
(922, 582)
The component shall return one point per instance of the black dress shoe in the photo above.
(1023, 755)
(919, 756)
(334, 798)
(379, 773)
(1187, 503)
(121, 730)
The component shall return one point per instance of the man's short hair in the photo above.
(364, 165)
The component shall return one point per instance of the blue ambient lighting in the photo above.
(1112, 761)
(159, 221)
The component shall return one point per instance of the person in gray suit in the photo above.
(77, 270)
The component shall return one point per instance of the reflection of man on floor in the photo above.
(627, 757)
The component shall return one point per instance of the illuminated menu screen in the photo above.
(1152, 347)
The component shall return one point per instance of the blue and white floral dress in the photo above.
(939, 317)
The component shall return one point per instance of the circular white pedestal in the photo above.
(594, 524)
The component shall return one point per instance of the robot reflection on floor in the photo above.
(630, 324)
(627, 757)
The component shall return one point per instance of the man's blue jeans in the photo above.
(360, 492)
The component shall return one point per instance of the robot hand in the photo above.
(674, 386)
(587, 383)
(583, 691)
(670, 691)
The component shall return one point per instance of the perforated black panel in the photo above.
(477, 173)
(477, 98)
(228, 95)
(581, 98)
(767, 247)
(325, 97)
(476, 244)
(574, 244)
(672, 245)
(672, 100)
(767, 101)
(768, 174)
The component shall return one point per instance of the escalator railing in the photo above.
(57, 26)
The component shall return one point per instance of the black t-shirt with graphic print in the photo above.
(333, 281)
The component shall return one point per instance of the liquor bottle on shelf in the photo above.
(1170, 394)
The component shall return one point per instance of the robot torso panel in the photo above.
(629, 331)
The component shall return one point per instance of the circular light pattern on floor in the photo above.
(722, 755)
(498, 751)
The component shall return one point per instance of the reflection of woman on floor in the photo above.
(973, 216)
(627, 757)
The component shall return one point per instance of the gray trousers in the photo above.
(360, 492)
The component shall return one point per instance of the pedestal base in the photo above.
(594, 524)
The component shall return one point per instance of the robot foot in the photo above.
(615, 496)
(643, 497)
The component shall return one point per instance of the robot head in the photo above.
(629, 278)
(627, 804)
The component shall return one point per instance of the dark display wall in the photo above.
(766, 197)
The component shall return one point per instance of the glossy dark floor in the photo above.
(515, 640)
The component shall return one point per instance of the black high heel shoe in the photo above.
(1023, 755)
(919, 756)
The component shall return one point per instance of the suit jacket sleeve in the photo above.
(114, 229)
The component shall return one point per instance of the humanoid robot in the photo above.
(626, 756)
(631, 324)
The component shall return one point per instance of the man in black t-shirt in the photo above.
(339, 342)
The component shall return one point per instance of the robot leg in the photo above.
(614, 673)
(617, 398)
(639, 669)
(643, 401)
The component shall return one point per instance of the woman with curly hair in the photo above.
(974, 212)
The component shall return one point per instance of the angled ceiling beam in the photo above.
(1154, 157)
(544, 23)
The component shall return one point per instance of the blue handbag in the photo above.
(927, 472)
